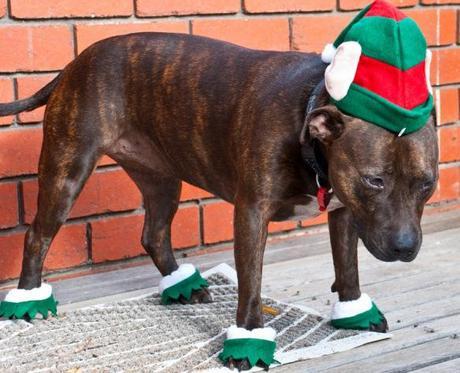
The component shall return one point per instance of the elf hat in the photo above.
(379, 70)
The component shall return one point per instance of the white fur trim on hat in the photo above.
(22, 295)
(328, 53)
(184, 271)
(428, 57)
(341, 72)
(352, 307)
(234, 332)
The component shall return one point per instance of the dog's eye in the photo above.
(427, 186)
(373, 182)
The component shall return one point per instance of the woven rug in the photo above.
(142, 335)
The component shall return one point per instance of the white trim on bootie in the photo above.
(268, 334)
(35, 294)
(184, 271)
(351, 308)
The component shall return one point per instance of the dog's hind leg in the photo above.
(70, 151)
(161, 196)
(66, 161)
(65, 165)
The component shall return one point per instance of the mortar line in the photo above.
(20, 200)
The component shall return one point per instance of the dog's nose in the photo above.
(405, 244)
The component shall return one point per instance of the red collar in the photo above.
(324, 197)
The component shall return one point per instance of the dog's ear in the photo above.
(324, 124)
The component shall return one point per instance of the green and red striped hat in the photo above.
(379, 69)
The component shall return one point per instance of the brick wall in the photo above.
(39, 37)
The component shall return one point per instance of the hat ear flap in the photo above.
(341, 72)
(427, 70)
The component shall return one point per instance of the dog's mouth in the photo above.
(382, 255)
(383, 249)
(390, 255)
(384, 252)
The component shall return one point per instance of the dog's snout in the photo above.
(405, 244)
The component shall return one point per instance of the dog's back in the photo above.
(199, 102)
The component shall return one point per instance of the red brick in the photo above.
(11, 258)
(445, 67)
(9, 205)
(449, 143)
(68, 249)
(275, 6)
(117, 238)
(27, 86)
(106, 161)
(312, 33)
(448, 185)
(26, 9)
(185, 229)
(105, 191)
(438, 25)
(32, 48)
(89, 34)
(320, 219)
(2, 8)
(448, 105)
(190, 192)
(267, 33)
(146, 8)
(19, 151)
(218, 222)
(120, 237)
(6, 95)
(359, 4)
(281, 226)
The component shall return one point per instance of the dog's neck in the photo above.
(313, 155)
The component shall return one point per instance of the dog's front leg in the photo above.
(250, 230)
(250, 227)
(354, 310)
(344, 242)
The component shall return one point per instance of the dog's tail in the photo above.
(38, 99)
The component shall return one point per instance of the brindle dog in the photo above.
(230, 120)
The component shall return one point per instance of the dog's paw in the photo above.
(243, 364)
(198, 296)
(382, 327)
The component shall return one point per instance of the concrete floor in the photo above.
(421, 300)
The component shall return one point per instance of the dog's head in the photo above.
(384, 180)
